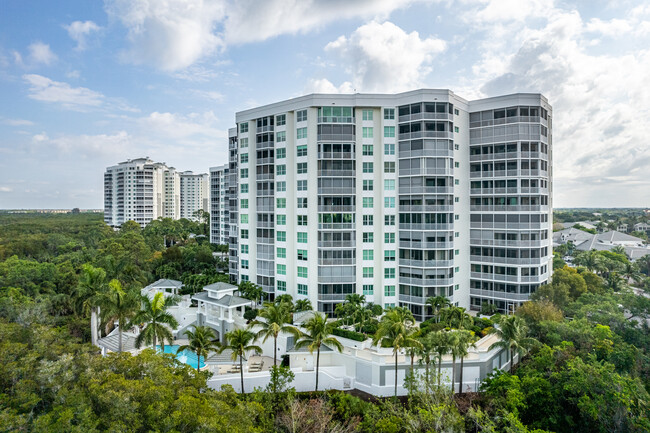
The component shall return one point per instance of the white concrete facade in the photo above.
(219, 215)
(385, 195)
(195, 194)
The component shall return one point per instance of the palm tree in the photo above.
(91, 288)
(119, 305)
(456, 317)
(631, 272)
(619, 249)
(396, 329)
(158, 320)
(590, 260)
(200, 341)
(512, 333)
(437, 303)
(319, 332)
(464, 341)
(252, 291)
(303, 305)
(442, 344)
(239, 341)
(276, 320)
(426, 353)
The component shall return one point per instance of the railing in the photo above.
(427, 245)
(336, 208)
(332, 296)
(504, 225)
(433, 153)
(423, 171)
(494, 277)
(336, 119)
(508, 260)
(426, 208)
(337, 244)
(426, 282)
(337, 262)
(426, 263)
(337, 279)
(513, 244)
(506, 296)
(506, 120)
(425, 116)
(506, 208)
(426, 134)
(337, 173)
(267, 128)
(349, 138)
(426, 190)
(424, 226)
(337, 190)
(263, 161)
(336, 155)
(336, 226)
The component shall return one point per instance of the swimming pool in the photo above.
(184, 356)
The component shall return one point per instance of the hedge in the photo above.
(352, 335)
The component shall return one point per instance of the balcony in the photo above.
(427, 245)
(337, 244)
(332, 296)
(426, 208)
(425, 116)
(427, 263)
(428, 282)
(426, 190)
(337, 173)
(336, 119)
(336, 208)
(426, 134)
(424, 226)
(505, 208)
(492, 294)
(336, 155)
(494, 277)
(508, 260)
(267, 128)
(337, 262)
(336, 226)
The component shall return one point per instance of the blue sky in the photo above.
(86, 84)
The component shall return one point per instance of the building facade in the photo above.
(219, 215)
(134, 190)
(195, 194)
(397, 197)
(172, 204)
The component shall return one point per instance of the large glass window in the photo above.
(301, 115)
(302, 237)
(301, 168)
(281, 136)
(389, 113)
(301, 150)
(367, 114)
(281, 119)
(281, 269)
(302, 271)
(368, 272)
(281, 170)
(367, 132)
(389, 131)
(281, 236)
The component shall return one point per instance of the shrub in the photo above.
(250, 314)
(352, 335)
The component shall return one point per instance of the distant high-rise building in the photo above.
(172, 204)
(399, 197)
(219, 215)
(195, 194)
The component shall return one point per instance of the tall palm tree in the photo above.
(427, 353)
(437, 303)
(513, 336)
(239, 342)
(465, 340)
(442, 344)
(456, 317)
(631, 272)
(158, 321)
(396, 329)
(303, 305)
(119, 305)
(200, 341)
(319, 332)
(276, 321)
(590, 260)
(92, 285)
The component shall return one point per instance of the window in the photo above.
(302, 254)
(244, 173)
(456, 182)
(302, 185)
(244, 234)
(457, 269)
(281, 136)
(456, 164)
(302, 271)
(456, 217)
(456, 199)
(368, 255)
(367, 114)
(281, 286)
(244, 203)
(244, 264)
(244, 249)
(367, 185)
(281, 153)
(389, 256)
(301, 133)
(281, 186)
(301, 116)
(389, 220)
(282, 253)
(244, 188)
(389, 184)
(368, 272)
(456, 112)
(456, 129)
(367, 149)
(367, 167)
(281, 203)
(301, 150)
(302, 220)
(244, 158)
(302, 237)
(244, 277)
(389, 148)
(281, 120)
(281, 236)
(389, 238)
(456, 252)
(389, 131)
(301, 168)
(281, 269)
(367, 202)
(367, 220)
(243, 127)
(367, 131)
(389, 273)
(389, 291)
(281, 170)
(244, 218)
(301, 202)
(368, 289)
(389, 113)
(243, 143)
(457, 286)
(389, 167)
(389, 202)
(281, 220)
(456, 146)
(302, 289)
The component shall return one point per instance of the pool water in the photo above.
(184, 356)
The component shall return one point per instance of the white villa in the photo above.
(220, 309)
(164, 286)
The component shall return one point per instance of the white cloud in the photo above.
(6, 189)
(323, 85)
(79, 31)
(177, 126)
(384, 58)
(44, 89)
(17, 122)
(41, 53)
(169, 34)
(86, 146)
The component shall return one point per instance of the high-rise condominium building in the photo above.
(195, 194)
(172, 194)
(134, 190)
(219, 215)
(398, 197)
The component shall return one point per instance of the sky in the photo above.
(87, 84)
